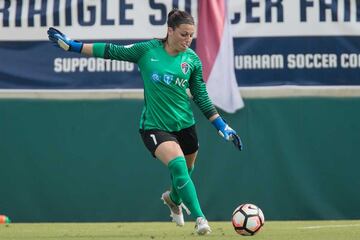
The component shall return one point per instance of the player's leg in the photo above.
(167, 149)
(190, 164)
(152, 139)
(189, 144)
(168, 153)
(171, 155)
(201, 224)
(172, 198)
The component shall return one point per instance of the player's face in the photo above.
(181, 37)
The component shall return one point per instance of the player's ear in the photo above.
(170, 31)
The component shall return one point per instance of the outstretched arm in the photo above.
(130, 53)
(68, 44)
(87, 49)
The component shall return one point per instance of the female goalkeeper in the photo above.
(168, 68)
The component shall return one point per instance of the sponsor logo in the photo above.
(155, 77)
(168, 78)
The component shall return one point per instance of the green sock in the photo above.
(173, 194)
(184, 186)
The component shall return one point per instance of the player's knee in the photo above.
(178, 168)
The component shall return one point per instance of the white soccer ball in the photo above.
(247, 219)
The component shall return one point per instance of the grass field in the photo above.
(274, 230)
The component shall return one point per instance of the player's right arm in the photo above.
(131, 53)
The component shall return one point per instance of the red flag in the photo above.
(216, 51)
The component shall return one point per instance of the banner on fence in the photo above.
(276, 42)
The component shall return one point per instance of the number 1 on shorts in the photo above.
(154, 138)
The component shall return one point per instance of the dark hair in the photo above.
(177, 17)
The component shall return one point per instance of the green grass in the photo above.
(274, 230)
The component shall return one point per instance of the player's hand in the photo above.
(227, 132)
(63, 41)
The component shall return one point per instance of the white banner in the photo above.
(145, 19)
(275, 18)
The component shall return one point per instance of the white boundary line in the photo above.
(72, 94)
(300, 91)
(246, 92)
(330, 226)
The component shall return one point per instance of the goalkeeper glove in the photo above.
(227, 132)
(63, 41)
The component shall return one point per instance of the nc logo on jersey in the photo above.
(181, 82)
(185, 67)
(168, 78)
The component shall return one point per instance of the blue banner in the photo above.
(269, 61)
(285, 42)
(41, 65)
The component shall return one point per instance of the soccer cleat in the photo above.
(175, 210)
(202, 226)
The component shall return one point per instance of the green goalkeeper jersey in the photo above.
(166, 80)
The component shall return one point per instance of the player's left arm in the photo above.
(201, 98)
(225, 131)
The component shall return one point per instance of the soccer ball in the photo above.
(247, 219)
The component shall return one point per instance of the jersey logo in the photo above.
(155, 77)
(185, 67)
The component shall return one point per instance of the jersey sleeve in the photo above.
(130, 53)
(198, 90)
